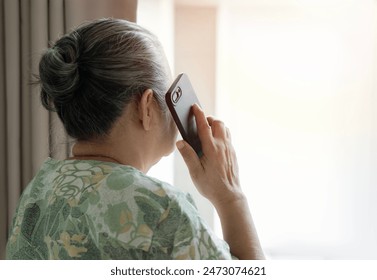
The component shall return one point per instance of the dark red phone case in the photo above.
(180, 97)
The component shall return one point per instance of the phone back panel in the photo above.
(180, 97)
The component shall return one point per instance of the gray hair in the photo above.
(89, 75)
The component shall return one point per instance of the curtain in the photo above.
(29, 133)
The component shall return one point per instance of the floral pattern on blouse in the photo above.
(84, 209)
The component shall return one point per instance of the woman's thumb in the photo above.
(189, 155)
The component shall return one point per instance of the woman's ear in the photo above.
(146, 109)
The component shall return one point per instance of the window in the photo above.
(296, 85)
(295, 82)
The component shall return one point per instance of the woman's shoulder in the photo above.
(112, 179)
(131, 180)
(172, 216)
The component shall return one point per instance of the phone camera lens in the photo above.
(176, 95)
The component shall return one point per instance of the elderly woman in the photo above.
(106, 80)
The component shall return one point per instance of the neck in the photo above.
(111, 152)
(94, 157)
(129, 142)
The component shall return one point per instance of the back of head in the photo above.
(89, 75)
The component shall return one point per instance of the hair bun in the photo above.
(59, 72)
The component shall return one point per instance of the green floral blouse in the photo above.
(84, 209)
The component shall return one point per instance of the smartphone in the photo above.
(180, 97)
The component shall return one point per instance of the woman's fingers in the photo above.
(210, 120)
(203, 127)
(215, 174)
(208, 127)
(204, 130)
(218, 129)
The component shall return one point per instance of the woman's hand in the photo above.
(215, 174)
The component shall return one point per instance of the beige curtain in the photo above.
(28, 133)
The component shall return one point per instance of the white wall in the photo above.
(158, 17)
(195, 42)
(296, 87)
(179, 27)
(296, 83)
